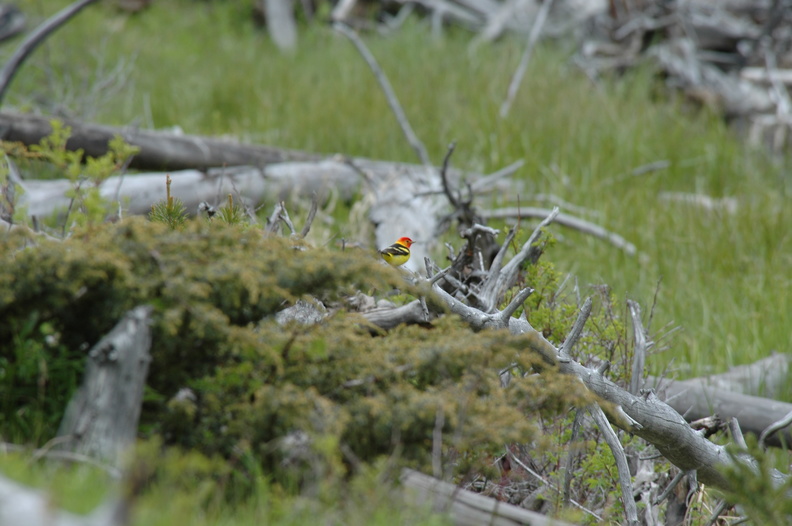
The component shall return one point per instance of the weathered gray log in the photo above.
(768, 377)
(467, 508)
(158, 150)
(695, 400)
(405, 201)
(139, 192)
(388, 317)
(396, 210)
(101, 419)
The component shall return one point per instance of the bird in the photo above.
(398, 253)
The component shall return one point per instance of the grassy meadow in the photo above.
(725, 277)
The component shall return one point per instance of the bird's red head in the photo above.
(406, 241)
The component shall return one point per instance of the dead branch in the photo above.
(467, 508)
(311, 215)
(565, 220)
(639, 349)
(645, 416)
(775, 427)
(388, 317)
(34, 39)
(577, 328)
(390, 95)
(498, 281)
(536, 31)
(623, 470)
(705, 202)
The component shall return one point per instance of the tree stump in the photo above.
(102, 417)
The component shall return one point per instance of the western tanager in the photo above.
(398, 253)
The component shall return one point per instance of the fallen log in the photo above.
(768, 377)
(695, 400)
(139, 192)
(158, 150)
(734, 394)
(466, 507)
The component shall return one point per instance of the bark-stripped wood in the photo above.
(102, 417)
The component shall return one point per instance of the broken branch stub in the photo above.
(102, 417)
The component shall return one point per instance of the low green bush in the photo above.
(298, 398)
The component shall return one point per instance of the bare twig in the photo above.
(564, 204)
(343, 10)
(565, 220)
(311, 215)
(719, 509)
(74, 198)
(737, 435)
(484, 183)
(487, 181)
(461, 505)
(477, 229)
(775, 426)
(272, 221)
(5, 226)
(516, 302)
(671, 485)
(284, 216)
(654, 303)
(577, 328)
(548, 483)
(570, 459)
(452, 199)
(390, 95)
(651, 167)
(781, 96)
(641, 346)
(497, 262)
(630, 509)
(710, 204)
(533, 37)
(497, 283)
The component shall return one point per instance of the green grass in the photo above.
(204, 67)
(188, 491)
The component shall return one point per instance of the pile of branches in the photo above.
(733, 57)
